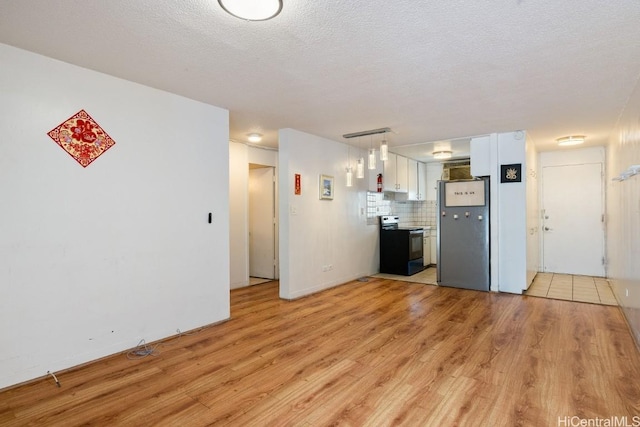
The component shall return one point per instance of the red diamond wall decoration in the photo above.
(82, 138)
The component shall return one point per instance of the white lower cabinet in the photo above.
(426, 253)
(434, 249)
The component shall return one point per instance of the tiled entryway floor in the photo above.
(595, 290)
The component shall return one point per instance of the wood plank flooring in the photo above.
(374, 353)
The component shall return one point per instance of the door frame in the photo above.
(276, 261)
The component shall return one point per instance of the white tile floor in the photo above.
(427, 276)
(595, 290)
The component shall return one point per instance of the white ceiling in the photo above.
(430, 70)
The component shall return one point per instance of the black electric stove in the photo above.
(400, 247)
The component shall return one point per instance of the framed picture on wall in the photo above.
(326, 187)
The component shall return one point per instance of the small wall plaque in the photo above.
(82, 138)
(511, 173)
(297, 185)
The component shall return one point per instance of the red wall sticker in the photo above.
(82, 137)
(297, 185)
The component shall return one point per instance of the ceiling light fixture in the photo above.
(349, 169)
(252, 10)
(441, 155)
(360, 163)
(570, 140)
(255, 137)
(372, 155)
(384, 150)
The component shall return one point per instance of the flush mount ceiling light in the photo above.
(570, 140)
(254, 137)
(252, 10)
(441, 155)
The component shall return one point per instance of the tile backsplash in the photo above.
(411, 213)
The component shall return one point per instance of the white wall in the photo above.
(575, 156)
(316, 233)
(94, 259)
(623, 213)
(533, 211)
(261, 156)
(239, 214)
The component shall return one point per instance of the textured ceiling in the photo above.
(430, 70)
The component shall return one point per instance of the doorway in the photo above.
(262, 222)
(573, 219)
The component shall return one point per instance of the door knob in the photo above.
(547, 229)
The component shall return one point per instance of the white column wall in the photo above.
(317, 233)
(512, 215)
(239, 214)
(623, 213)
(510, 212)
(92, 260)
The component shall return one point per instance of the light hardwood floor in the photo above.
(372, 353)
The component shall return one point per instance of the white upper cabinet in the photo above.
(389, 174)
(434, 174)
(395, 174)
(413, 189)
(422, 181)
(402, 177)
(416, 181)
(480, 149)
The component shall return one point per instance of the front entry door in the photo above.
(572, 219)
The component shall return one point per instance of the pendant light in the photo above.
(360, 168)
(349, 170)
(384, 150)
(360, 164)
(372, 156)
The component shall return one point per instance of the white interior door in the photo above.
(572, 219)
(262, 222)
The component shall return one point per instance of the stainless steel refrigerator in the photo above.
(463, 234)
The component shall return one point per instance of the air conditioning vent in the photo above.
(453, 171)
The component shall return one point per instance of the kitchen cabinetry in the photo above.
(413, 189)
(422, 181)
(480, 149)
(416, 181)
(395, 175)
(434, 174)
(426, 251)
(434, 247)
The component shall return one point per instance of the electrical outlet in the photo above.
(330, 267)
